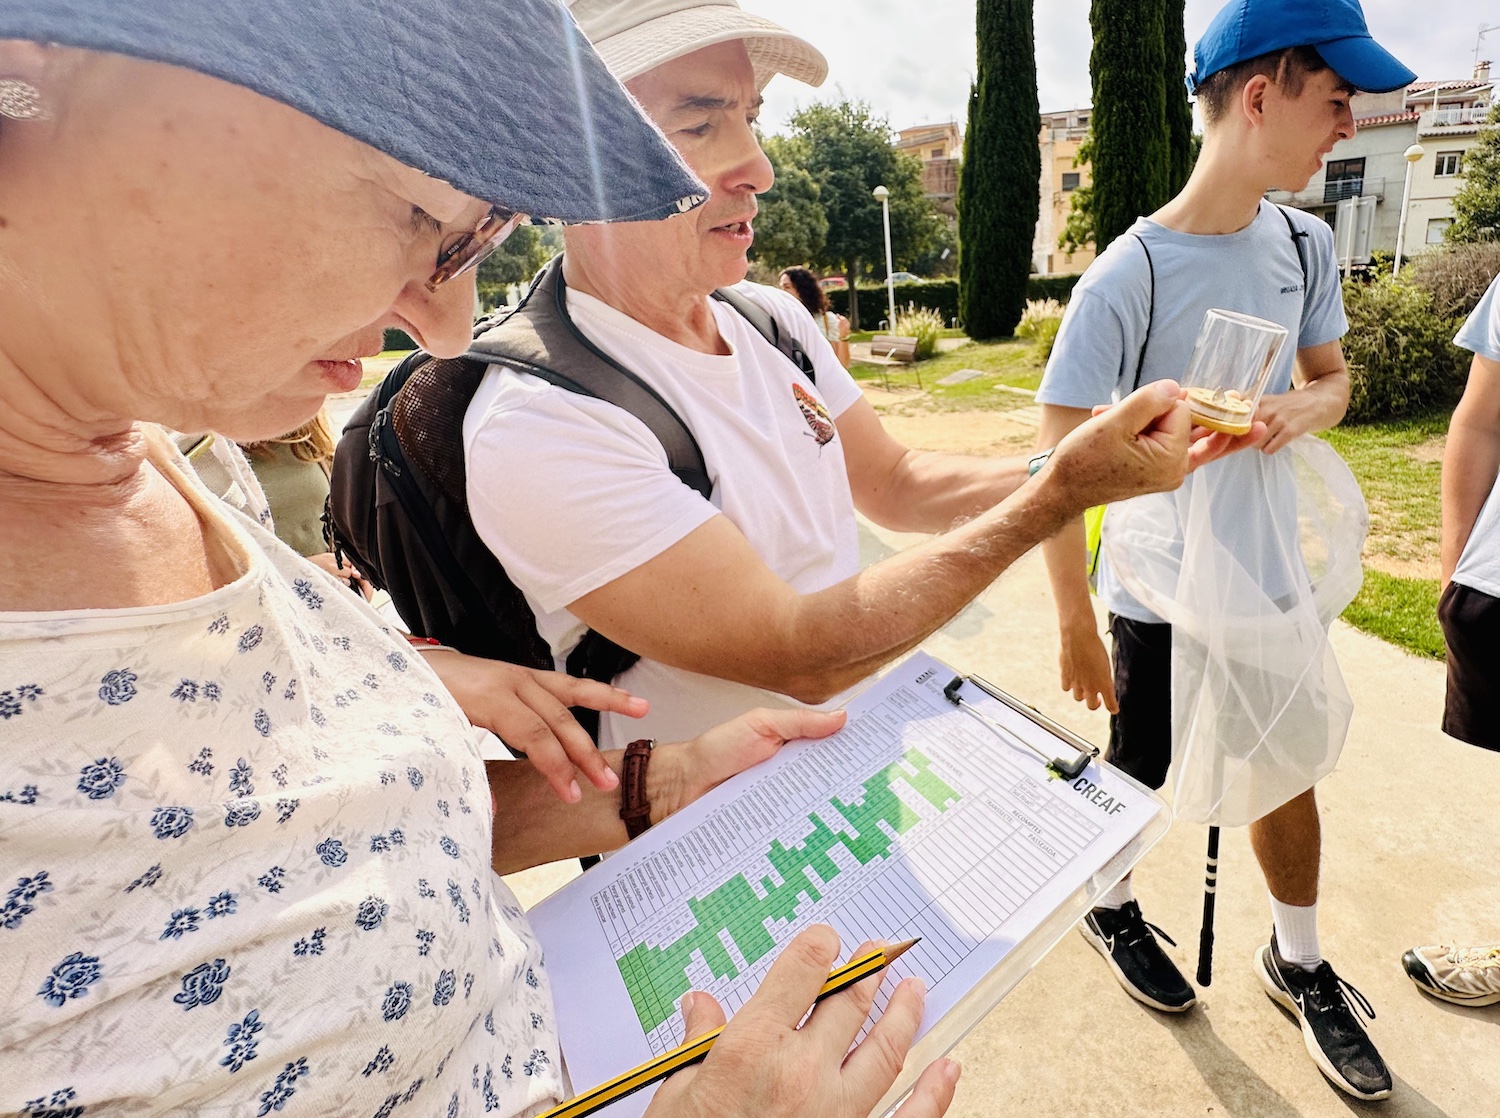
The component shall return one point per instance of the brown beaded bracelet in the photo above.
(635, 806)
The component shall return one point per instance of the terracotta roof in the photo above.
(1388, 118)
(1457, 83)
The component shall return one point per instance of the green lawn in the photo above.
(1012, 363)
(1399, 467)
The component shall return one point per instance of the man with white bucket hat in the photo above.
(752, 595)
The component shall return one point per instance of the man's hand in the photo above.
(1084, 662)
(764, 1066)
(527, 709)
(1139, 445)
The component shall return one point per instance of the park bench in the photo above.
(891, 349)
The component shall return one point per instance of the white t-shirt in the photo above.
(1479, 565)
(571, 492)
(246, 848)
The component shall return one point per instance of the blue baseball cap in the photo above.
(503, 99)
(1246, 29)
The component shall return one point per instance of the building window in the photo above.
(935, 153)
(1083, 120)
(1436, 228)
(1449, 163)
(1345, 178)
(1070, 180)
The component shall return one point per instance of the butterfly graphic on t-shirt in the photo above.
(816, 415)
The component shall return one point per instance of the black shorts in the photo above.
(1471, 630)
(1140, 736)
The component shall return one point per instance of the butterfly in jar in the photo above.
(816, 415)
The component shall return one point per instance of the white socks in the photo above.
(1117, 897)
(1297, 933)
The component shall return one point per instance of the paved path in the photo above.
(1411, 853)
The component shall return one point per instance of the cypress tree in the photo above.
(1132, 156)
(998, 198)
(1179, 112)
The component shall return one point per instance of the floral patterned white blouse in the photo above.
(244, 864)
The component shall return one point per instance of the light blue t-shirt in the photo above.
(1254, 271)
(1479, 565)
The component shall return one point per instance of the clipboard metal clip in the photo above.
(1058, 768)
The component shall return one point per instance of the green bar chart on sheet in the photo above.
(743, 914)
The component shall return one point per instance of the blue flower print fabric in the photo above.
(245, 865)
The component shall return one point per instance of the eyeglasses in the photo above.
(468, 250)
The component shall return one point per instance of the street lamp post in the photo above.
(1413, 157)
(884, 197)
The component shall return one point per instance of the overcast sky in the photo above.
(913, 59)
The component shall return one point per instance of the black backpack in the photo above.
(398, 504)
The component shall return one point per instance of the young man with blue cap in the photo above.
(1273, 80)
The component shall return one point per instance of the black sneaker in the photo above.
(1325, 1006)
(1126, 942)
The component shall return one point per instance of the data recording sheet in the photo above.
(918, 819)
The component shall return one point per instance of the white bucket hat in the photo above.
(633, 36)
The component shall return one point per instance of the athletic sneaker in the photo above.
(1325, 1006)
(1461, 975)
(1125, 940)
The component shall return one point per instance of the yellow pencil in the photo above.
(694, 1050)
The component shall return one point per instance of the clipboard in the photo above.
(622, 925)
(964, 1017)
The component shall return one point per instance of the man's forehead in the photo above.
(716, 77)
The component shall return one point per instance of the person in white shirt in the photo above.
(755, 596)
(1470, 615)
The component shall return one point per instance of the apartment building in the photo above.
(1444, 117)
(940, 149)
(1060, 137)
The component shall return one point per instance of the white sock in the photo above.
(1117, 897)
(1297, 933)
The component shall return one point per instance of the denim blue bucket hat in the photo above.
(503, 99)
(1246, 29)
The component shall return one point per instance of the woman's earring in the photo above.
(20, 100)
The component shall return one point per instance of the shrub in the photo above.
(1401, 361)
(1040, 323)
(923, 324)
(1456, 276)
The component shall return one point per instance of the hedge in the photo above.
(938, 295)
(397, 340)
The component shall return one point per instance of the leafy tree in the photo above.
(791, 227)
(998, 201)
(516, 261)
(846, 149)
(1078, 233)
(1132, 164)
(1476, 208)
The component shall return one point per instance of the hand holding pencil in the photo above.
(765, 1066)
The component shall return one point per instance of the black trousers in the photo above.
(1471, 630)
(1140, 736)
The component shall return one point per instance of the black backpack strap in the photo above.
(1140, 361)
(537, 343)
(766, 325)
(1298, 237)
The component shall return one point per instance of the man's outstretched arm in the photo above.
(909, 490)
(709, 604)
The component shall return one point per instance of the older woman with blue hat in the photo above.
(245, 833)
